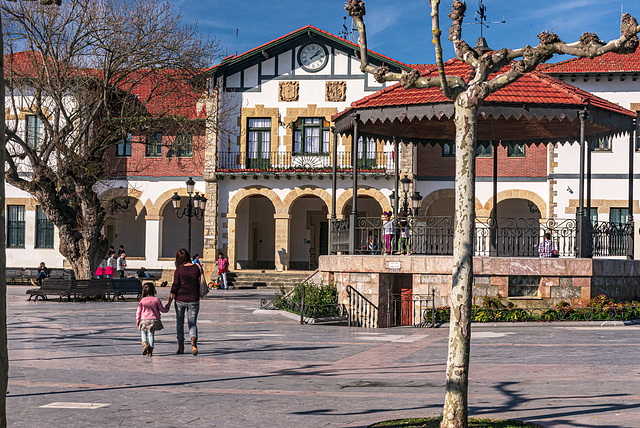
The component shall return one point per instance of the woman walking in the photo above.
(186, 293)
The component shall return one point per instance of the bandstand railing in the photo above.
(506, 237)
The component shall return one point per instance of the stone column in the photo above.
(282, 241)
(231, 246)
(153, 241)
(210, 250)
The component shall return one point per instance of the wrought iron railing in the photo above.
(610, 239)
(361, 312)
(507, 237)
(408, 309)
(286, 161)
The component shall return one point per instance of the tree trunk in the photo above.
(85, 248)
(455, 411)
(4, 354)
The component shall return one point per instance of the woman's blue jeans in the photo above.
(192, 309)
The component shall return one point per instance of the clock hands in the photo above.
(315, 54)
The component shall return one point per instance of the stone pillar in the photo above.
(153, 243)
(210, 250)
(282, 241)
(231, 246)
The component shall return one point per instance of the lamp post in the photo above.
(195, 206)
(415, 199)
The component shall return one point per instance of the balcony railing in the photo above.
(283, 161)
(508, 237)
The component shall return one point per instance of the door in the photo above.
(254, 247)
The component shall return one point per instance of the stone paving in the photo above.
(257, 370)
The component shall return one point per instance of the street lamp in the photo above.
(416, 199)
(195, 206)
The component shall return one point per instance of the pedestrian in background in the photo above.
(111, 266)
(223, 266)
(121, 264)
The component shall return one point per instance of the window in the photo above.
(484, 151)
(182, 146)
(154, 144)
(618, 215)
(33, 131)
(123, 148)
(448, 150)
(367, 151)
(601, 144)
(516, 151)
(44, 230)
(15, 226)
(593, 215)
(311, 135)
(259, 138)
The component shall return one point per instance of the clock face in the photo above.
(313, 57)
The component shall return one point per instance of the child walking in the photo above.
(148, 316)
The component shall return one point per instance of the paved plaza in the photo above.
(79, 364)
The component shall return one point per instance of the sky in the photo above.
(401, 29)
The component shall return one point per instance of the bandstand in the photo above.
(595, 257)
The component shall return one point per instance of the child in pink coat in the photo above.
(148, 316)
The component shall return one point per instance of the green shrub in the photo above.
(320, 300)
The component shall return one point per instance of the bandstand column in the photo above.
(493, 233)
(581, 224)
(588, 211)
(396, 166)
(334, 187)
(282, 241)
(632, 151)
(353, 232)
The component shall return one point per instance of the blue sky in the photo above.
(401, 28)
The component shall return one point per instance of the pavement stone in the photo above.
(260, 369)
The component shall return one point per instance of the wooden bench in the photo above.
(52, 287)
(121, 287)
(27, 276)
(86, 288)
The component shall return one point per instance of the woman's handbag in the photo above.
(204, 288)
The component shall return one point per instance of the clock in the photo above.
(313, 57)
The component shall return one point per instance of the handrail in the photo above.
(362, 312)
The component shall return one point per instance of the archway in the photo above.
(367, 207)
(175, 232)
(308, 232)
(255, 232)
(517, 231)
(127, 227)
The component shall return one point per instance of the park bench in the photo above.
(121, 287)
(52, 287)
(26, 276)
(86, 288)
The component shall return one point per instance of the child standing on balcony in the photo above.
(148, 317)
(387, 226)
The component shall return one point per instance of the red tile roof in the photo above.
(607, 63)
(164, 93)
(533, 88)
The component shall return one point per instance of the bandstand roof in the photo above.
(537, 108)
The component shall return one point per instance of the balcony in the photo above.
(312, 163)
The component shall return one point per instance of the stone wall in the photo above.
(526, 282)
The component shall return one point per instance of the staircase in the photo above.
(266, 278)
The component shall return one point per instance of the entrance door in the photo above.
(402, 295)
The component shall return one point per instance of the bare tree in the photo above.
(468, 95)
(84, 76)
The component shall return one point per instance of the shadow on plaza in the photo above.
(551, 414)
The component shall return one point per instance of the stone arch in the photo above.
(518, 194)
(307, 190)
(256, 191)
(155, 210)
(428, 200)
(376, 194)
(124, 192)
